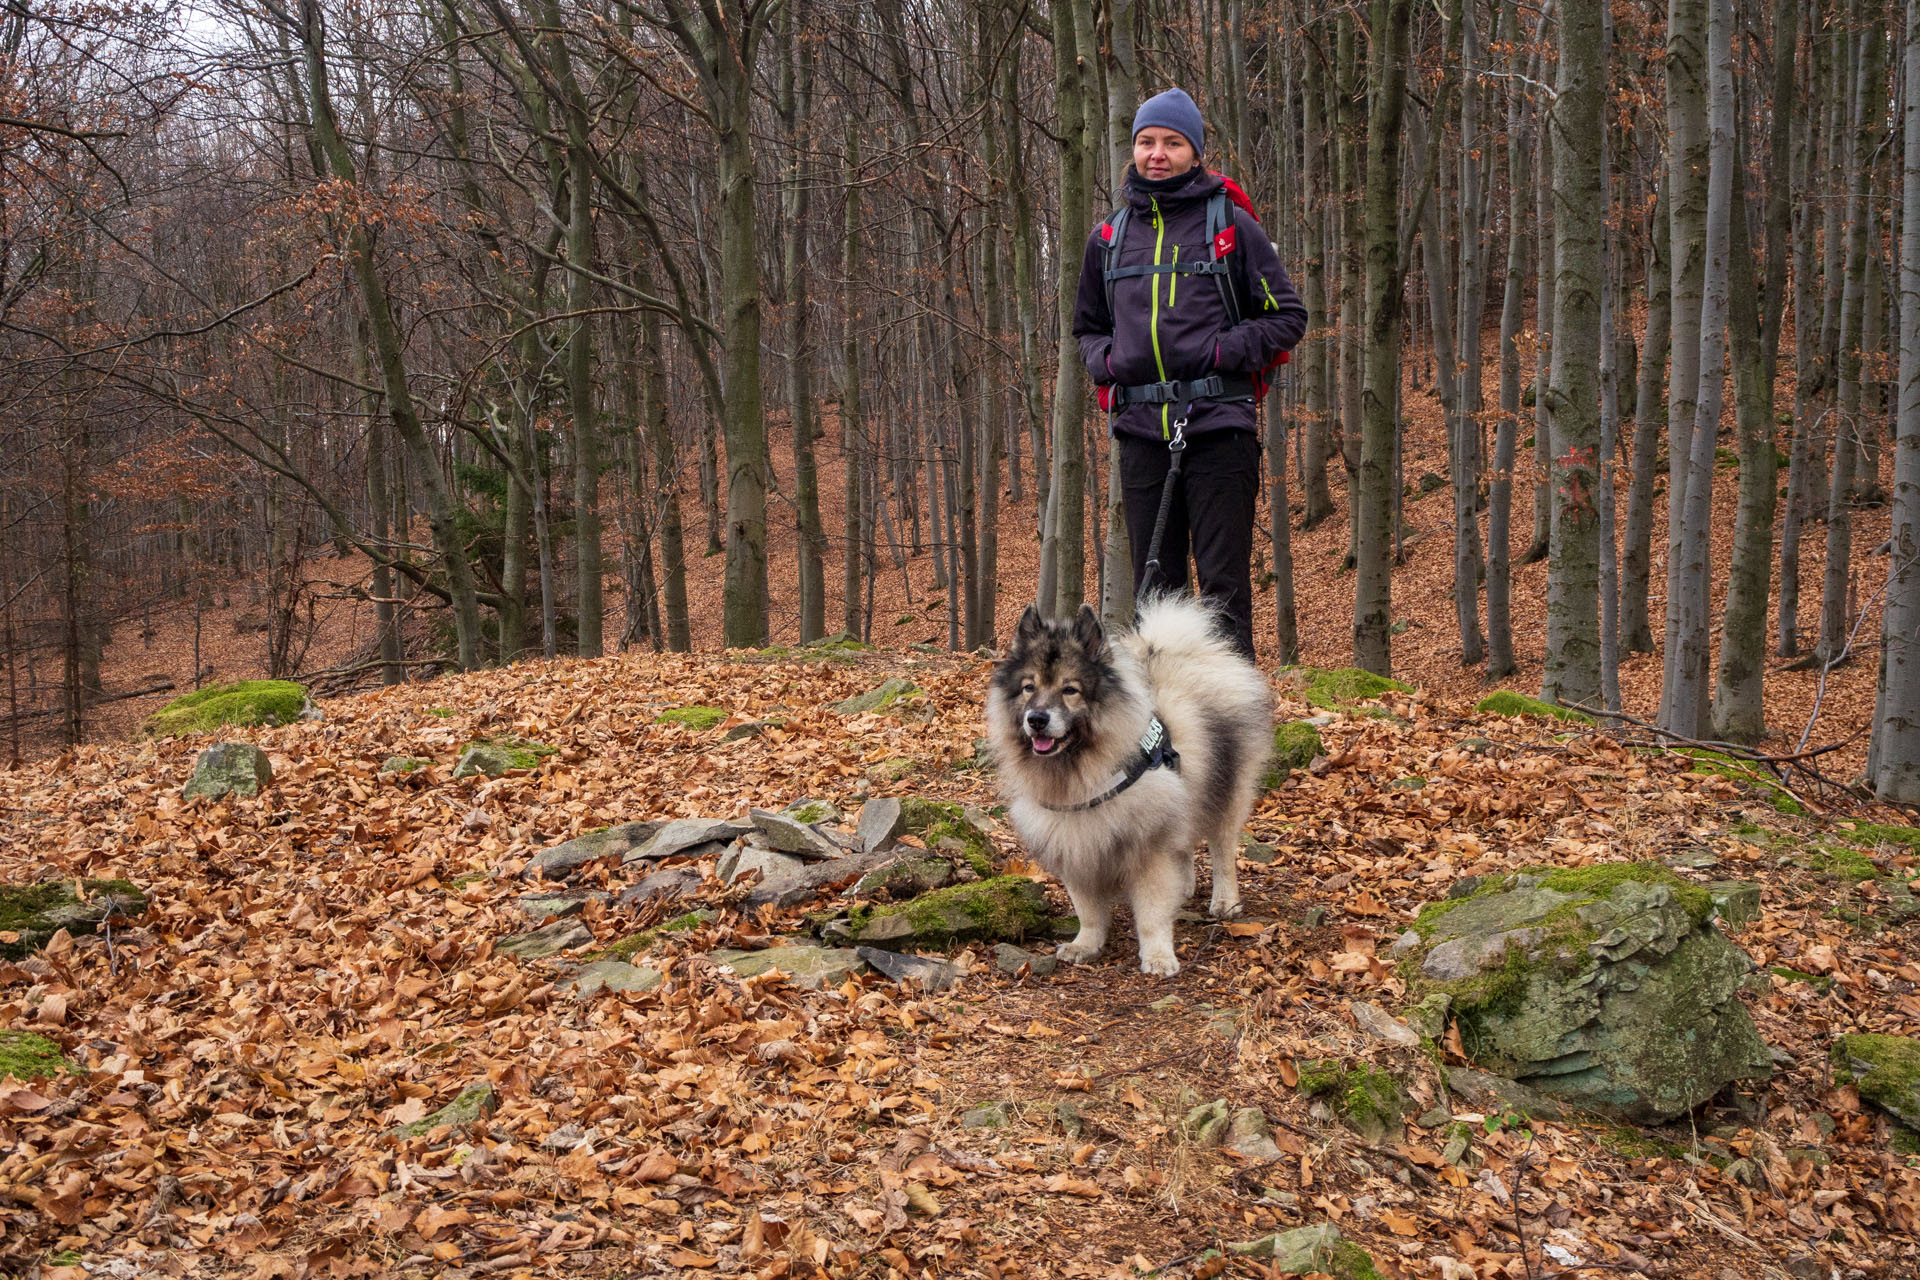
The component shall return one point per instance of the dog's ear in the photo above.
(1031, 626)
(1087, 632)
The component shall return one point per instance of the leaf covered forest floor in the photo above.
(319, 966)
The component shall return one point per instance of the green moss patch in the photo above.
(1508, 703)
(1295, 744)
(246, 702)
(1340, 686)
(1370, 1100)
(1885, 1068)
(698, 719)
(31, 914)
(1875, 833)
(1849, 866)
(635, 943)
(30, 1057)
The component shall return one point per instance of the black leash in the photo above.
(1176, 447)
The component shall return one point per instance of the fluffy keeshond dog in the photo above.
(1117, 753)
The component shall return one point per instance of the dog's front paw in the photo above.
(1161, 964)
(1224, 906)
(1079, 952)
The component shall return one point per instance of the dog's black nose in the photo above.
(1037, 721)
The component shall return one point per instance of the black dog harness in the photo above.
(1154, 752)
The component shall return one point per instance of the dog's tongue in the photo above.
(1043, 745)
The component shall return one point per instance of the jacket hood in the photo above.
(1196, 184)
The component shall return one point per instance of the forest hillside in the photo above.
(445, 997)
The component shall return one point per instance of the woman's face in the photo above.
(1161, 153)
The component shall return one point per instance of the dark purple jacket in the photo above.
(1174, 327)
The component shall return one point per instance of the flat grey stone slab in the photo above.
(881, 821)
(931, 975)
(549, 940)
(1381, 1025)
(539, 906)
(667, 882)
(747, 858)
(811, 879)
(805, 966)
(560, 860)
(683, 834)
(791, 836)
(612, 975)
(1008, 958)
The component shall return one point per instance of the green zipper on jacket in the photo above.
(1153, 313)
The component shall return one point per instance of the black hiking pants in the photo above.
(1212, 514)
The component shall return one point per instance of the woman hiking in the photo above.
(1183, 304)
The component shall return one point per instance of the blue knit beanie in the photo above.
(1176, 111)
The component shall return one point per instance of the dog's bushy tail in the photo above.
(1180, 625)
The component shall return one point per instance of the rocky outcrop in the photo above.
(1605, 988)
(562, 860)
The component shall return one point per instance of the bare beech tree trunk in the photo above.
(1500, 661)
(810, 542)
(1373, 550)
(1894, 760)
(1468, 562)
(1687, 175)
(1314, 354)
(1684, 696)
(1868, 111)
(1572, 675)
(1738, 708)
(1649, 419)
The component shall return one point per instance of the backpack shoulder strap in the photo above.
(1220, 238)
(1113, 232)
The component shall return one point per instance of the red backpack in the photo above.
(1220, 243)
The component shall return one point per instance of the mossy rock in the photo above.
(31, 914)
(475, 1103)
(1725, 766)
(403, 765)
(229, 768)
(25, 1057)
(1000, 909)
(698, 719)
(245, 702)
(1886, 1069)
(889, 693)
(946, 828)
(1339, 687)
(1606, 988)
(494, 757)
(1508, 703)
(1295, 744)
(1370, 1100)
(1319, 1250)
